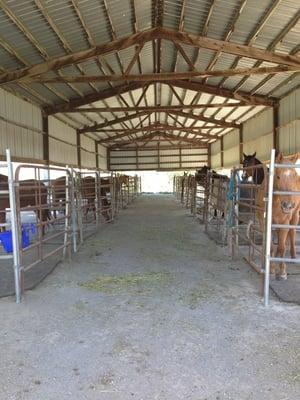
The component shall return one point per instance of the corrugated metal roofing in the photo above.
(33, 31)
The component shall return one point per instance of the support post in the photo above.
(241, 143)
(136, 158)
(209, 155)
(275, 126)
(268, 230)
(45, 128)
(108, 158)
(222, 151)
(158, 156)
(96, 155)
(78, 149)
(180, 157)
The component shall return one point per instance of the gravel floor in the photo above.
(150, 308)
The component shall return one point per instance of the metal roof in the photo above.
(35, 31)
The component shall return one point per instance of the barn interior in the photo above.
(127, 290)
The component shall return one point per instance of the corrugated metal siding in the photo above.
(23, 142)
(258, 135)
(62, 142)
(149, 159)
(231, 148)
(216, 155)
(289, 121)
(88, 158)
(102, 157)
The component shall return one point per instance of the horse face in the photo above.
(248, 161)
(286, 178)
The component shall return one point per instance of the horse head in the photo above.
(257, 174)
(286, 179)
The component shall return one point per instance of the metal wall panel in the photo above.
(88, 157)
(258, 134)
(102, 157)
(20, 128)
(262, 146)
(231, 156)
(289, 121)
(62, 143)
(216, 155)
(151, 159)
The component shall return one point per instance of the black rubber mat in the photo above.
(289, 290)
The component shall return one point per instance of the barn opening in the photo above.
(142, 206)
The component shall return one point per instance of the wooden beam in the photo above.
(96, 155)
(222, 151)
(164, 76)
(241, 143)
(161, 128)
(78, 144)
(91, 98)
(45, 128)
(255, 100)
(56, 63)
(174, 147)
(212, 120)
(151, 129)
(115, 121)
(209, 155)
(275, 127)
(227, 47)
(157, 108)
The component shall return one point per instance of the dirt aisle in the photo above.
(149, 309)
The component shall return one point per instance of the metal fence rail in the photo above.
(247, 232)
(216, 207)
(289, 194)
(62, 205)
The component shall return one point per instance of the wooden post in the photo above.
(180, 157)
(222, 151)
(275, 126)
(45, 125)
(209, 155)
(108, 158)
(158, 156)
(78, 149)
(96, 155)
(136, 158)
(241, 143)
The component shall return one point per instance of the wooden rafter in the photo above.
(227, 47)
(103, 125)
(255, 100)
(80, 56)
(205, 119)
(166, 76)
(152, 128)
(158, 108)
(91, 98)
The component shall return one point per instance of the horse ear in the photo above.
(254, 155)
(244, 155)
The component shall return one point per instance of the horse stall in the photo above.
(200, 197)
(246, 230)
(94, 200)
(216, 207)
(40, 222)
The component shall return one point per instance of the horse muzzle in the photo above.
(287, 207)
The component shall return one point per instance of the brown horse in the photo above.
(88, 190)
(31, 193)
(285, 209)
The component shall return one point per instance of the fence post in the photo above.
(269, 230)
(14, 228)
